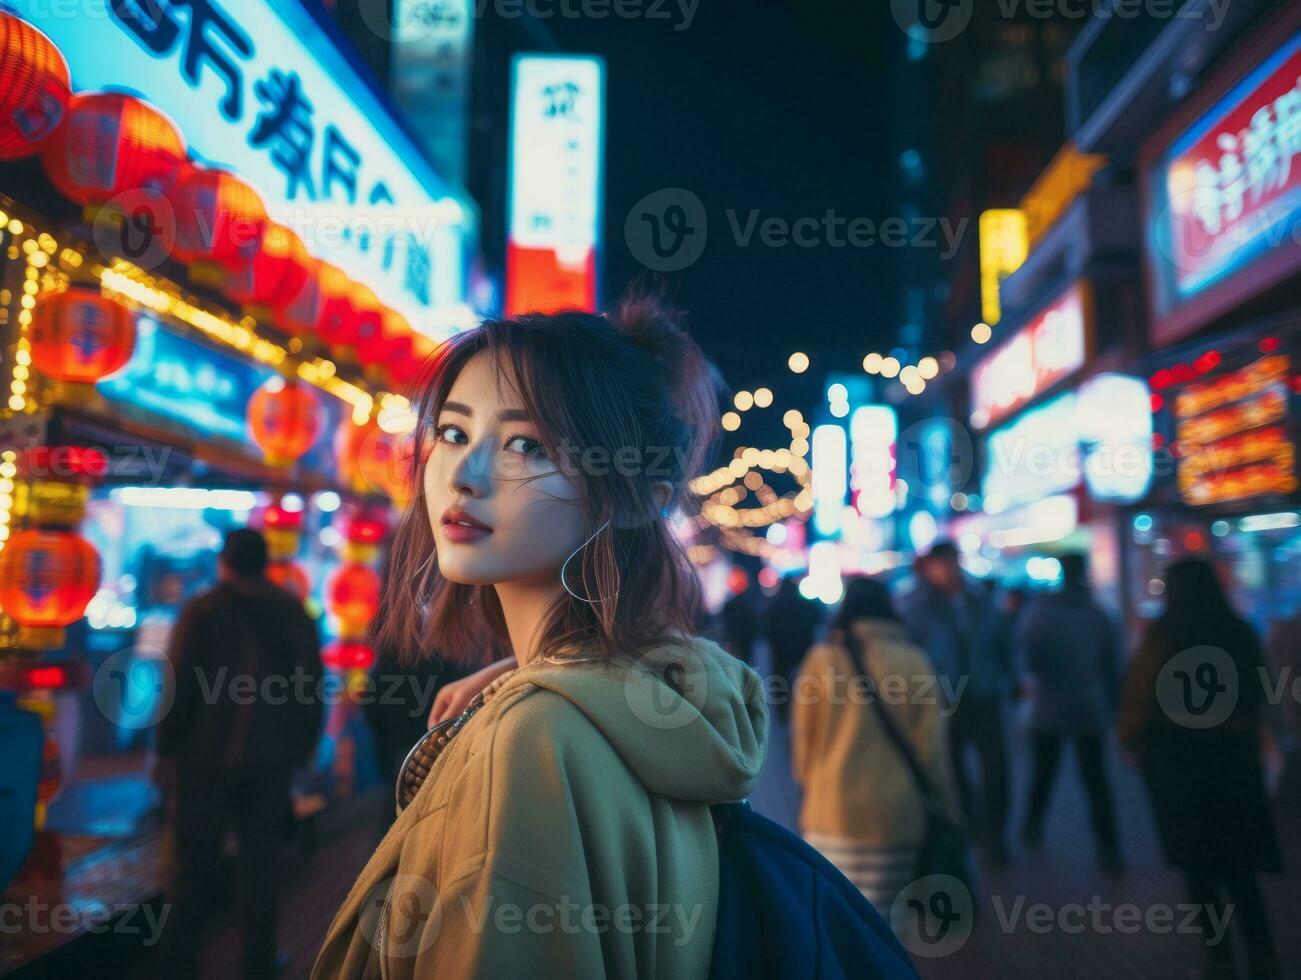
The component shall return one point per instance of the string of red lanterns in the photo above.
(100, 147)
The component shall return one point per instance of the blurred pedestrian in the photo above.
(246, 660)
(1069, 647)
(962, 630)
(790, 623)
(740, 617)
(1203, 768)
(862, 807)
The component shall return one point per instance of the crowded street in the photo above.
(650, 489)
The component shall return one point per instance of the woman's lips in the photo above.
(463, 533)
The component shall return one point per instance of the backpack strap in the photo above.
(930, 799)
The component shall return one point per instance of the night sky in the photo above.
(777, 107)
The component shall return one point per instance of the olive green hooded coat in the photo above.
(565, 831)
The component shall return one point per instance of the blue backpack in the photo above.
(786, 911)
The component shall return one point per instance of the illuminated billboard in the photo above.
(556, 160)
(260, 88)
(1047, 350)
(1223, 189)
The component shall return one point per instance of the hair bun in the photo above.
(657, 328)
(653, 326)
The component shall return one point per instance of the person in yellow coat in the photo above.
(861, 806)
(564, 828)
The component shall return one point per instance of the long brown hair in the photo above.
(624, 386)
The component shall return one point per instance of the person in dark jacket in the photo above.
(1069, 648)
(964, 634)
(247, 709)
(1192, 711)
(740, 617)
(790, 624)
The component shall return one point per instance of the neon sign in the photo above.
(258, 86)
(557, 128)
(1040, 354)
(1233, 436)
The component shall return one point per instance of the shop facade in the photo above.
(1222, 219)
(223, 266)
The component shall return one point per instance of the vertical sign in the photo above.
(557, 133)
(872, 433)
(431, 76)
(830, 477)
(1004, 244)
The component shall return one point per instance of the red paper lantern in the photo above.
(113, 143)
(365, 527)
(369, 460)
(291, 578)
(342, 655)
(368, 315)
(47, 578)
(276, 274)
(337, 319)
(284, 419)
(303, 310)
(406, 369)
(353, 596)
(275, 516)
(80, 335)
(220, 218)
(390, 342)
(34, 87)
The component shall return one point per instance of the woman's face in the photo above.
(487, 462)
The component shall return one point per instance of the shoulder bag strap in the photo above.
(900, 741)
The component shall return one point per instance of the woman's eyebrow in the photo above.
(505, 415)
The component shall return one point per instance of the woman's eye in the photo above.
(450, 433)
(526, 446)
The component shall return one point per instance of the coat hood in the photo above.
(688, 718)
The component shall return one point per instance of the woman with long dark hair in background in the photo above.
(548, 452)
(862, 806)
(1193, 713)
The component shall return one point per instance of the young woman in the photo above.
(1203, 768)
(861, 807)
(565, 829)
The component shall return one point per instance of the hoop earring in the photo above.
(420, 569)
(571, 558)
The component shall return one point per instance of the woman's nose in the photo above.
(472, 473)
